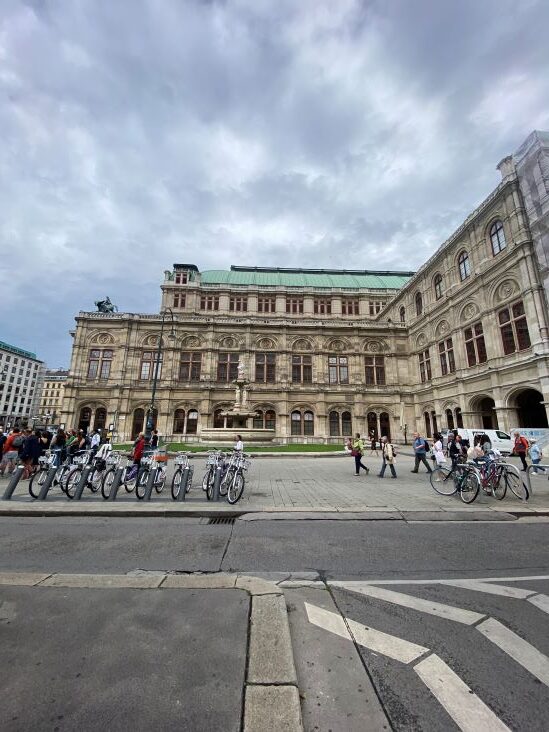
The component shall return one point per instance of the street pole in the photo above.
(150, 411)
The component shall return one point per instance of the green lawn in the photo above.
(182, 447)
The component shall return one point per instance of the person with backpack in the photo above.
(10, 453)
(420, 446)
(520, 448)
(535, 456)
(31, 453)
(388, 454)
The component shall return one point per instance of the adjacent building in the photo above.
(21, 375)
(463, 341)
(53, 390)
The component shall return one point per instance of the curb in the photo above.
(271, 695)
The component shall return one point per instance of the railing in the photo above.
(541, 467)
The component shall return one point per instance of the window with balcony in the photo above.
(350, 307)
(238, 304)
(446, 355)
(375, 370)
(338, 370)
(322, 306)
(302, 369)
(266, 304)
(425, 366)
(149, 361)
(514, 329)
(294, 305)
(190, 366)
(474, 345)
(209, 302)
(227, 366)
(265, 368)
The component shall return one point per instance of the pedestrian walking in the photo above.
(373, 442)
(455, 450)
(154, 439)
(438, 450)
(388, 454)
(10, 453)
(535, 456)
(358, 452)
(520, 448)
(420, 446)
(31, 453)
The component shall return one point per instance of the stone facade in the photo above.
(51, 400)
(464, 341)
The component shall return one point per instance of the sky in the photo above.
(295, 133)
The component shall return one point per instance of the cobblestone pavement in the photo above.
(325, 484)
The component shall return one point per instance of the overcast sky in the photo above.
(311, 133)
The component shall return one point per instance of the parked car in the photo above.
(500, 440)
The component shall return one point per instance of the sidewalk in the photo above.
(288, 485)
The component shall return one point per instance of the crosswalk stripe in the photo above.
(375, 640)
(446, 579)
(541, 601)
(449, 612)
(490, 589)
(466, 709)
(520, 650)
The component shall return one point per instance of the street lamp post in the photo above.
(150, 411)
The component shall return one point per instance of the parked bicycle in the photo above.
(156, 463)
(181, 463)
(113, 461)
(215, 459)
(95, 476)
(462, 477)
(235, 477)
(50, 460)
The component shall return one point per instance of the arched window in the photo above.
(449, 419)
(437, 283)
(270, 419)
(419, 303)
(264, 420)
(296, 422)
(308, 423)
(371, 419)
(219, 421)
(302, 423)
(459, 418)
(138, 422)
(179, 421)
(192, 422)
(334, 424)
(497, 237)
(346, 424)
(385, 425)
(85, 419)
(427, 424)
(258, 420)
(100, 419)
(464, 266)
(434, 422)
(402, 314)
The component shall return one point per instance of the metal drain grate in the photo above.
(221, 520)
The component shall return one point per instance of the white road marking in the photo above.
(490, 588)
(520, 650)
(375, 640)
(449, 612)
(541, 601)
(446, 579)
(466, 709)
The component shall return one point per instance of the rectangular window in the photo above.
(338, 370)
(474, 345)
(425, 366)
(179, 300)
(209, 302)
(265, 367)
(181, 278)
(376, 306)
(148, 363)
(446, 355)
(227, 366)
(375, 370)
(190, 366)
(294, 305)
(514, 329)
(238, 304)
(266, 304)
(349, 307)
(302, 369)
(322, 307)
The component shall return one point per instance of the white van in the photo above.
(500, 440)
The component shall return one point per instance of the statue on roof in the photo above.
(105, 306)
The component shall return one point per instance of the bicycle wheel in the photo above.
(141, 483)
(160, 480)
(226, 482)
(236, 488)
(206, 479)
(190, 481)
(61, 477)
(469, 487)
(499, 488)
(106, 485)
(129, 483)
(73, 479)
(442, 481)
(517, 486)
(95, 479)
(176, 483)
(36, 482)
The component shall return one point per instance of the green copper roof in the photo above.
(281, 277)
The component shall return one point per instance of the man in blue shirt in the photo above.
(420, 450)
